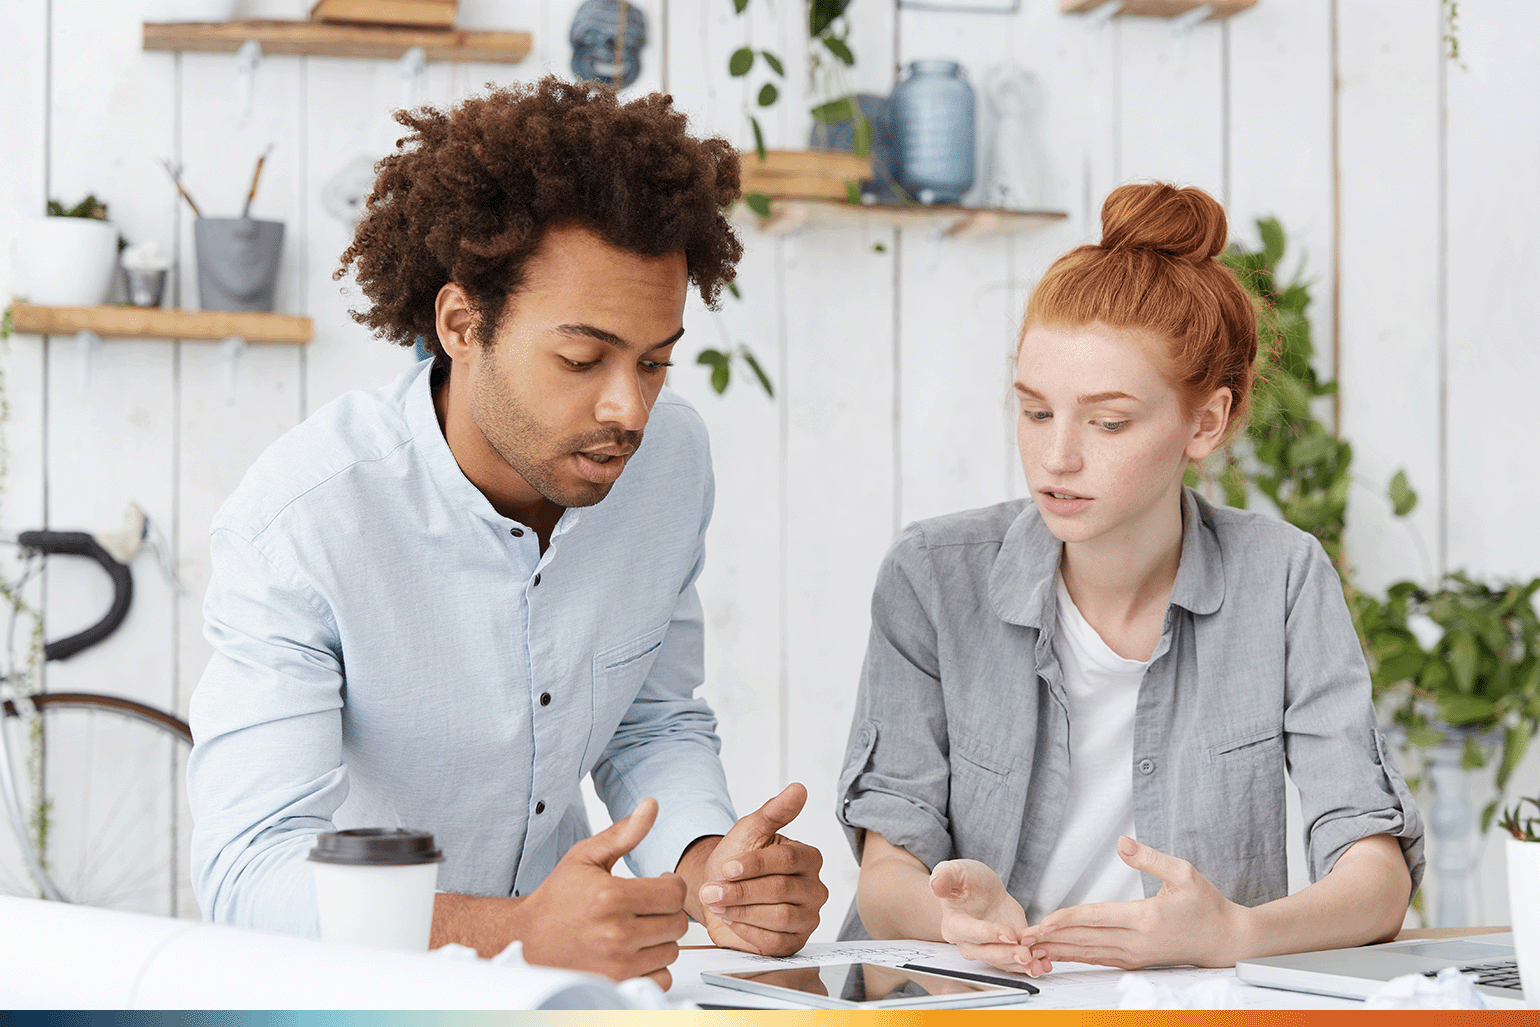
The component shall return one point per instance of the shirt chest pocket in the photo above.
(978, 803)
(618, 675)
(1235, 803)
(1248, 745)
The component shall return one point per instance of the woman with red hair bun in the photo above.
(1076, 711)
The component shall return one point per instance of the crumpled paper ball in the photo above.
(1136, 991)
(1449, 990)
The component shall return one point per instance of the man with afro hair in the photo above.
(438, 605)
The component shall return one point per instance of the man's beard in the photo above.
(529, 447)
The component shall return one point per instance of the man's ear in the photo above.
(453, 316)
(1211, 419)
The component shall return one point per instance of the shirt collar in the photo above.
(1200, 578)
(457, 489)
(1021, 580)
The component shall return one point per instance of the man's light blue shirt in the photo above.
(389, 651)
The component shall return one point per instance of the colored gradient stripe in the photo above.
(788, 1018)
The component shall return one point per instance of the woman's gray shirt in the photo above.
(960, 743)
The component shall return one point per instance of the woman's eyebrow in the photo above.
(1094, 397)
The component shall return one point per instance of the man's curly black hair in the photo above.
(468, 194)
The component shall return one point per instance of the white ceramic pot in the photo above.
(1524, 913)
(66, 262)
(191, 10)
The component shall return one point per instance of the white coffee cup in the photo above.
(375, 885)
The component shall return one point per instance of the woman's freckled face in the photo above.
(1103, 437)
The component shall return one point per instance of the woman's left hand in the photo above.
(1187, 922)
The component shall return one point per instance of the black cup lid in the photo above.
(376, 847)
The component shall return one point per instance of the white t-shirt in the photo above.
(1103, 691)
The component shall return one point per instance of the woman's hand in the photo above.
(1187, 922)
(979, 916)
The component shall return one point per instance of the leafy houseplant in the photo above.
(1482, 676)
(1287, 453)
(1524, 829)
(90, 207)
(1524, 890)
(828, 32)
(70, 257)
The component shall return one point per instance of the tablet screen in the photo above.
(866, 983)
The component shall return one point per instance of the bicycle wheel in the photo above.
(114, 801)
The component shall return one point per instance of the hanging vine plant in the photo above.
(29, 680)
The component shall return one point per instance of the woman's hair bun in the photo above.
(1185, 223)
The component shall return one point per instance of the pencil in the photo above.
(256, 175)
(177, 181)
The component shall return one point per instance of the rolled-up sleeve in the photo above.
(895, 779)
(1349, 786)
(266, 772)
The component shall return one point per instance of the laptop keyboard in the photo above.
(1501, 973)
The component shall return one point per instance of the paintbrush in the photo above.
(256, 176)
(176, 178)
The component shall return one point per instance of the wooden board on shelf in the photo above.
(797, 214)
(803, 173)
(438, 14)
(323, 39)
(1160, 8)
(158, 323)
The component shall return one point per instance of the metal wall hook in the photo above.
(231, 350)
(1183, 24)
(246, 60)
(1182, 27)
(88, 344)
(1097, 17)
(412, 66)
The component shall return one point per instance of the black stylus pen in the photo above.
(966, 976)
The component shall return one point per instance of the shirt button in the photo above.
(516, 532)
(1146, 766)
(539, 808)
(545, 698)
(516, 893)
(537, 579)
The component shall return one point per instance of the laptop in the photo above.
(1359, 972)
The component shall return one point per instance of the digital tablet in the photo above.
(868, 986)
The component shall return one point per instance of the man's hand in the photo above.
(1187, 922)
(979, 916)
(755, 889)
(583, 918)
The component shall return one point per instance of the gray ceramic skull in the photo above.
(595, 29)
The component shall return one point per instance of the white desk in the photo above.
(1070, 986)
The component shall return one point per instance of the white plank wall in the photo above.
(1405, 183)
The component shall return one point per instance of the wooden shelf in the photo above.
(158, 323)
(791, 214)
(1160, 8)
(324, 39)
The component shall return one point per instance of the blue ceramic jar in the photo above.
(932, 122)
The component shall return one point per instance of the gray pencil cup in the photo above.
(237, 262)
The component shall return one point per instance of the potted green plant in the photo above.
(1477, 684)
(1469, 687)
(1524, 892)
(70, 257)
